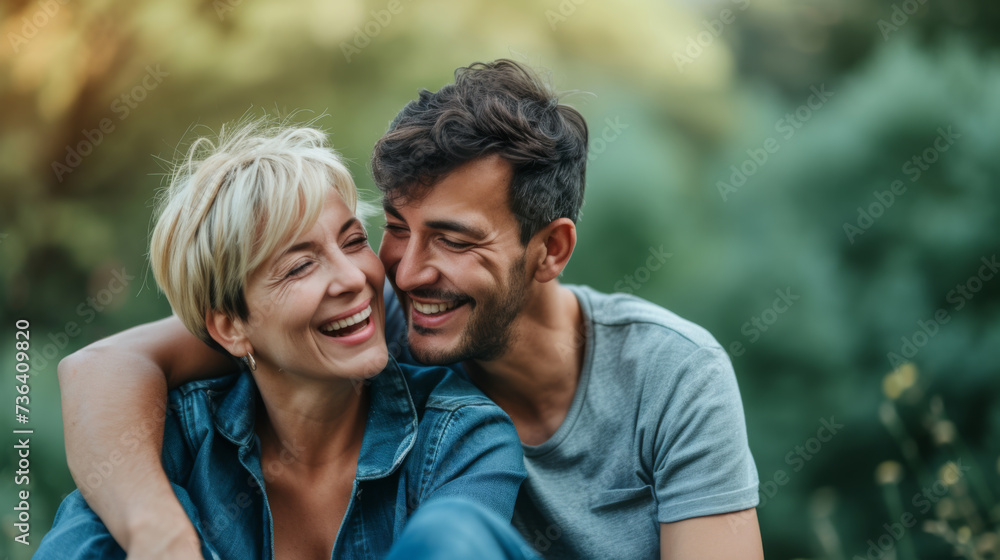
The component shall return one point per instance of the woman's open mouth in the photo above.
(349, 325)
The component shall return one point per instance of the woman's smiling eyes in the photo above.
(354, 243)
(299, 269)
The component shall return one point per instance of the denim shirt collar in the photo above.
(390, 430)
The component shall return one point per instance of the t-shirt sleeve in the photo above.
(701, 459)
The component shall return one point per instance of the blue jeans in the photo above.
(457, 529)
(442, 529)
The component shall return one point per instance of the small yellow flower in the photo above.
(890, 386)
(907, 375)
(899, 380)
(944, 432)
(888, 472)
(986, 542)
(949, 473)
(946, 508)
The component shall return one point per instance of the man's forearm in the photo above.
(114, 395)
(113, 418)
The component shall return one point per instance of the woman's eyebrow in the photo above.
(298, 247)
(349, 224)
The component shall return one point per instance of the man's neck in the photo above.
(535, 380)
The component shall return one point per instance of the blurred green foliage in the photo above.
(683, 100)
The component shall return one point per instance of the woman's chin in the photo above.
(371, 364)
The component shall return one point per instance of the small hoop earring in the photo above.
(249, 361)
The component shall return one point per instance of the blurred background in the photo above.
(816, 182)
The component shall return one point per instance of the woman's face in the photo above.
(316, 307)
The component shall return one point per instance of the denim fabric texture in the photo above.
(429, 435)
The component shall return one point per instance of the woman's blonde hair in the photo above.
(230, 204)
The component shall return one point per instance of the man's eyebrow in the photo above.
(444, 225)
(457, 227)
(391, 210)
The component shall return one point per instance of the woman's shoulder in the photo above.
(206, 395)
(442, 388)
(452, 410)
(215, 387)
(200, 408)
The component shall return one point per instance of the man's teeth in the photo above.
(433, 308)
(352, 320)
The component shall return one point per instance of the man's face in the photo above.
(455, 259)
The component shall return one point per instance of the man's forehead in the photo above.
(477, 190)
(436, 210)
(475, 218)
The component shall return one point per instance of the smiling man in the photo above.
(629, 416)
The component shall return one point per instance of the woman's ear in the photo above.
(228, 333)
(556, 242)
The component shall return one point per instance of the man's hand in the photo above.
(159, 535)
(114, 395)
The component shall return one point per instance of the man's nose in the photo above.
(414, 269)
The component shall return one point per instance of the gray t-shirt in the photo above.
(655, 434)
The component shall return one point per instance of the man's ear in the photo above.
(555, 242)
(228, 333)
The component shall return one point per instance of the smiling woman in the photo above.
(209, 239)
(259, 249)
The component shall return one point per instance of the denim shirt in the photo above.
(429, 434)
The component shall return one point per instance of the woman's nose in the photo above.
(348, 277)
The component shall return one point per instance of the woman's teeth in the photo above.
(333, 327)
(433, 308)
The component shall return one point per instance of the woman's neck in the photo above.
(311, 424)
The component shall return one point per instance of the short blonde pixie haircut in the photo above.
(230, 205)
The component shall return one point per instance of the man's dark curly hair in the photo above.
(501, 108)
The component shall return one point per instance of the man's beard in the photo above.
(490, 329)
